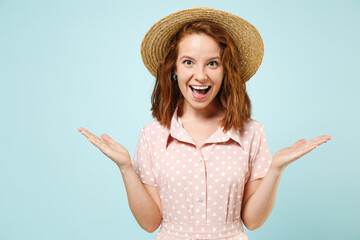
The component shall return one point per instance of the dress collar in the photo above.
(178, 132)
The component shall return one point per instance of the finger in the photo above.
(304, 149)
(95, 142)
(86, 133)
(89, 134)
(93, 139)
(301, 141)
(319, 140)
(98, 143)
(307, 150)
(309, 147)
(107, 138)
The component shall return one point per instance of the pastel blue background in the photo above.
(66, 64)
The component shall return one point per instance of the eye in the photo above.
(187, 62)
(213, 63)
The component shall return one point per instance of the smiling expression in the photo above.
(199, 70)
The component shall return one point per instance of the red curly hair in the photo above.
(232, 95)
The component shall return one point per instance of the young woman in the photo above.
(203, 167)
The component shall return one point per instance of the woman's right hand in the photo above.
(109, 147)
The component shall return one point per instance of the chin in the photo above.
(199, 106)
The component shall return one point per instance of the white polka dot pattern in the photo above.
(201, 186)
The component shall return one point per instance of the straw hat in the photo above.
(245, 36)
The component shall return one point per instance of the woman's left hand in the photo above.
(288, 155)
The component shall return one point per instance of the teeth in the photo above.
(200, 88)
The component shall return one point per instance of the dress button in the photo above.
(200, 159)
(199, 199)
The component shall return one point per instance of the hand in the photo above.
(288, 155)
(109, 147)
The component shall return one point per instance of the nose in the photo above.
(200, 74)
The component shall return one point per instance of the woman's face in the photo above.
(199, 71)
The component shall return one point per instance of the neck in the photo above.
(212, 112)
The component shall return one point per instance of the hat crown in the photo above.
(245, 36)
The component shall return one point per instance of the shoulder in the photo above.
(251, 127)
(154, 134)
(154, 128)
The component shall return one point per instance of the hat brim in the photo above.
(245, 36)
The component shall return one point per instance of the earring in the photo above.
(175, 77)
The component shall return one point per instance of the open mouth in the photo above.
(200, 92)
(200, 89)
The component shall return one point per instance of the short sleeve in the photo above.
(260, 157)
(142, 161)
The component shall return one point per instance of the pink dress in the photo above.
(201, 189)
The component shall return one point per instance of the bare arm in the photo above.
(144, 200)
(259, 198)
(259, 195)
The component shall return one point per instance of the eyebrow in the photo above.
(213, 58)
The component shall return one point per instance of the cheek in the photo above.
(184, 73)
(218, 79)
(182, 85)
